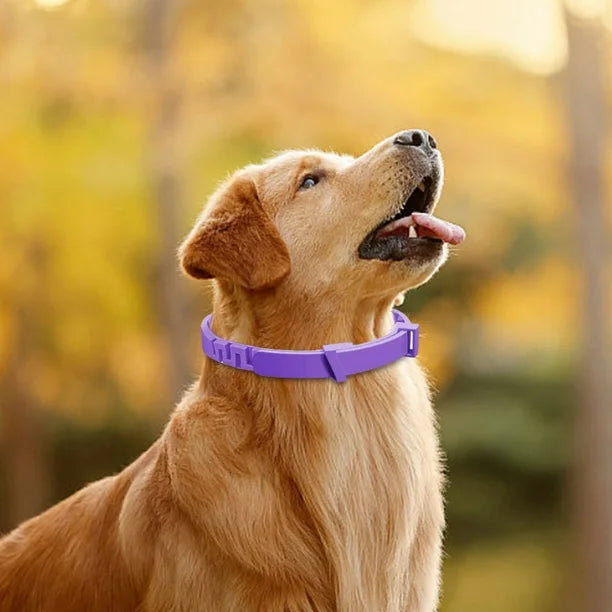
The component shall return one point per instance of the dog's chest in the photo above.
(330, 498)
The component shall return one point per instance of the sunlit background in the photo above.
(118, 118)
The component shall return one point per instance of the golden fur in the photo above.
(261, 493)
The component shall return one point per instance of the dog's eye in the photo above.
(310, 180)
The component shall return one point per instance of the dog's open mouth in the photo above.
(412, 228)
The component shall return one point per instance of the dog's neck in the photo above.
(288, 409)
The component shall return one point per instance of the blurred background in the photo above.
(119, 117)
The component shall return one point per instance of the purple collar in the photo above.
(335, 361)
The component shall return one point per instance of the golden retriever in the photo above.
(271, 494)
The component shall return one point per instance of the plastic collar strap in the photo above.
(335, 361)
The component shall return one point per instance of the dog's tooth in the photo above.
(412, 233)
(421, 186)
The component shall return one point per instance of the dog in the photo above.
(275, 494)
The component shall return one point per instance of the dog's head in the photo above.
(314, 222)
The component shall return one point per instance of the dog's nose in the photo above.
(416, 138)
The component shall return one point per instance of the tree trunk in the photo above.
(592, 477)
(24, 456)
(23, 439)
(163, 159)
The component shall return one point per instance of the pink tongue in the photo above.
(426, 226)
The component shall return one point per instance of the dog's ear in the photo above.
(235, 239)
